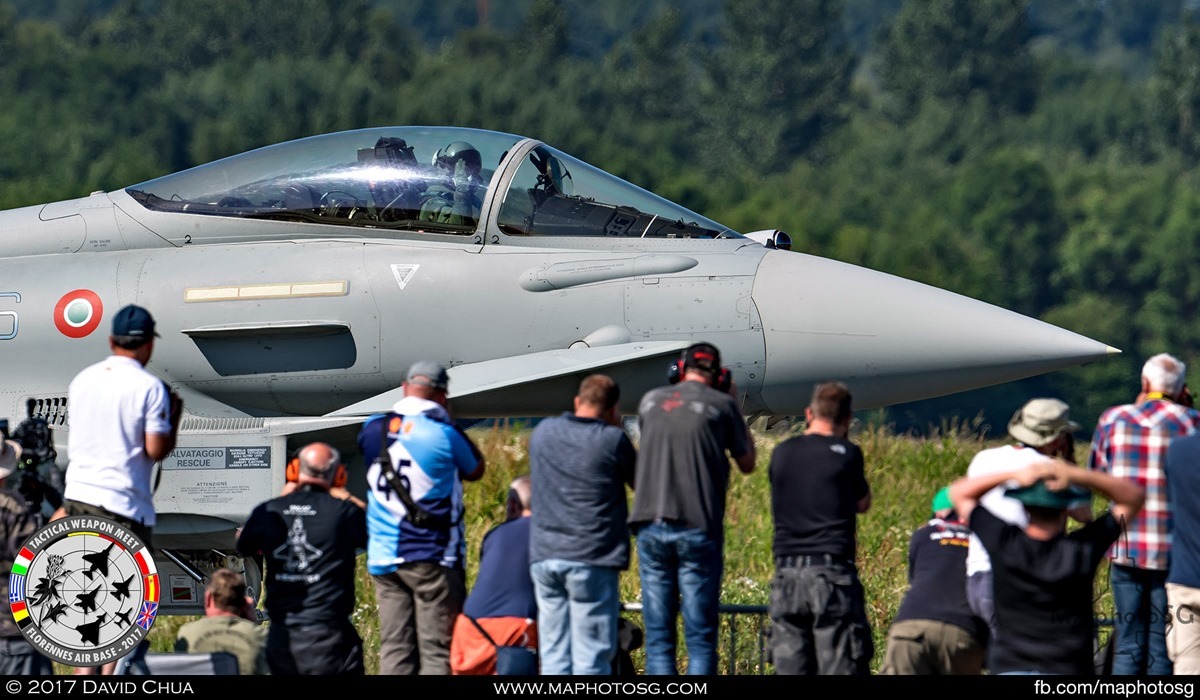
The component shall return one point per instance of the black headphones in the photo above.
(678, 368)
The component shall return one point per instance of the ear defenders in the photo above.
(677, 369)
(339, 477)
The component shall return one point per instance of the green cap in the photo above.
(941, 501)
(1041, 496)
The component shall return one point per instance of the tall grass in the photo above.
(904, 473)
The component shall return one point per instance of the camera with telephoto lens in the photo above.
(36, 468)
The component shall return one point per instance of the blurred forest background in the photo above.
(1035, 154)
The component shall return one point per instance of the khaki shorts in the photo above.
(141, 531)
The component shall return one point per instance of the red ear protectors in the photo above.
(675, 372)
(293, 473)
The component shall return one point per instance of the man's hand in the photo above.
(1058, 476)
(341, 493)
(462, 177)
(1035, 472)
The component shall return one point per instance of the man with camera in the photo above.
(689, 432)
(18, 522)
(1131, 442)
(310, 538)
(416, 550)
(818, 489)
(123, 419)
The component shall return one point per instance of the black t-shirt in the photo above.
(816, 484)
(689, 432)
(937, 577)
(1043, 594)
(309, 540)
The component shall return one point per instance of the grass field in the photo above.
(904, 473)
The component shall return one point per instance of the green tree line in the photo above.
(1035, 154)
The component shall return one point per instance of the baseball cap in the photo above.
(1040, 421)
(428, 373)
(1041, 496)
(941, 500)
(10, 454)
(135, 322)
(704, 357)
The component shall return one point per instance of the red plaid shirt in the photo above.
(1131, 443)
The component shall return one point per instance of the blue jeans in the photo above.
(1140, 598)
(578, 606)
(675, 560)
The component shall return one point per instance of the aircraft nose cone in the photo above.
(890, 339)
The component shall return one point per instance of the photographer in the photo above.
(40, 482)
(123, 419)
(417, 546)
(18, 522)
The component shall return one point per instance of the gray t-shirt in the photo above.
(682, 466)
(579, 468)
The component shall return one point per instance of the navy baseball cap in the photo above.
(134, 322)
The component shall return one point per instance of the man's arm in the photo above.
(860, 478)
(966, 492)
(1098, 450)
(159, 445)
(1127, 497)
(342, 493)
(476, 475)
(627, 461)
(746, 462)
(480, 464)
(249, 534)
(864, 504)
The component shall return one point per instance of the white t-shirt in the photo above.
(1010, 510)
(111, 407)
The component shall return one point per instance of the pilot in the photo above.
(458, 197)
(396, 186)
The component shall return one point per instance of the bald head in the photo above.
(520, 497)
(318, 463)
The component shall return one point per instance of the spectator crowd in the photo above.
(1000, 576)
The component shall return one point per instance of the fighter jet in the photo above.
(98, 562)
(123, 616)
(90, 632)
(86, 601)
(294, 284)
(121, 588)
(56, 611)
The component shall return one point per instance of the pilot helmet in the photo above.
(446, 158)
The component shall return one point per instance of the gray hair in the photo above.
(1165, 373)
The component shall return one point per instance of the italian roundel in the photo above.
(78, 313)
